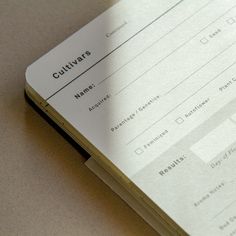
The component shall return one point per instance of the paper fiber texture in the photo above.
(152, 86)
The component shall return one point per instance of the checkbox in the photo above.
(204, 40)
(231, 21)
(179, 121)
(139, 151)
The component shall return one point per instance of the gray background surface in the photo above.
(45, 189)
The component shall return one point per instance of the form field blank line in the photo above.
(185, 100)
(219, 213)
(200, 68)
(155, 42)
(115, 49)
(174, 51)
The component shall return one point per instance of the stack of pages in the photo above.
(148, 88)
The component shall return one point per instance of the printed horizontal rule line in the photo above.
(155, 42)
(174, 51)
(160, 16)
(181, 103)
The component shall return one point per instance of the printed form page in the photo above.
(152, 85)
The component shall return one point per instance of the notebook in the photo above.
(148, 88)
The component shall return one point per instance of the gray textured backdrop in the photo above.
(45, 189)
